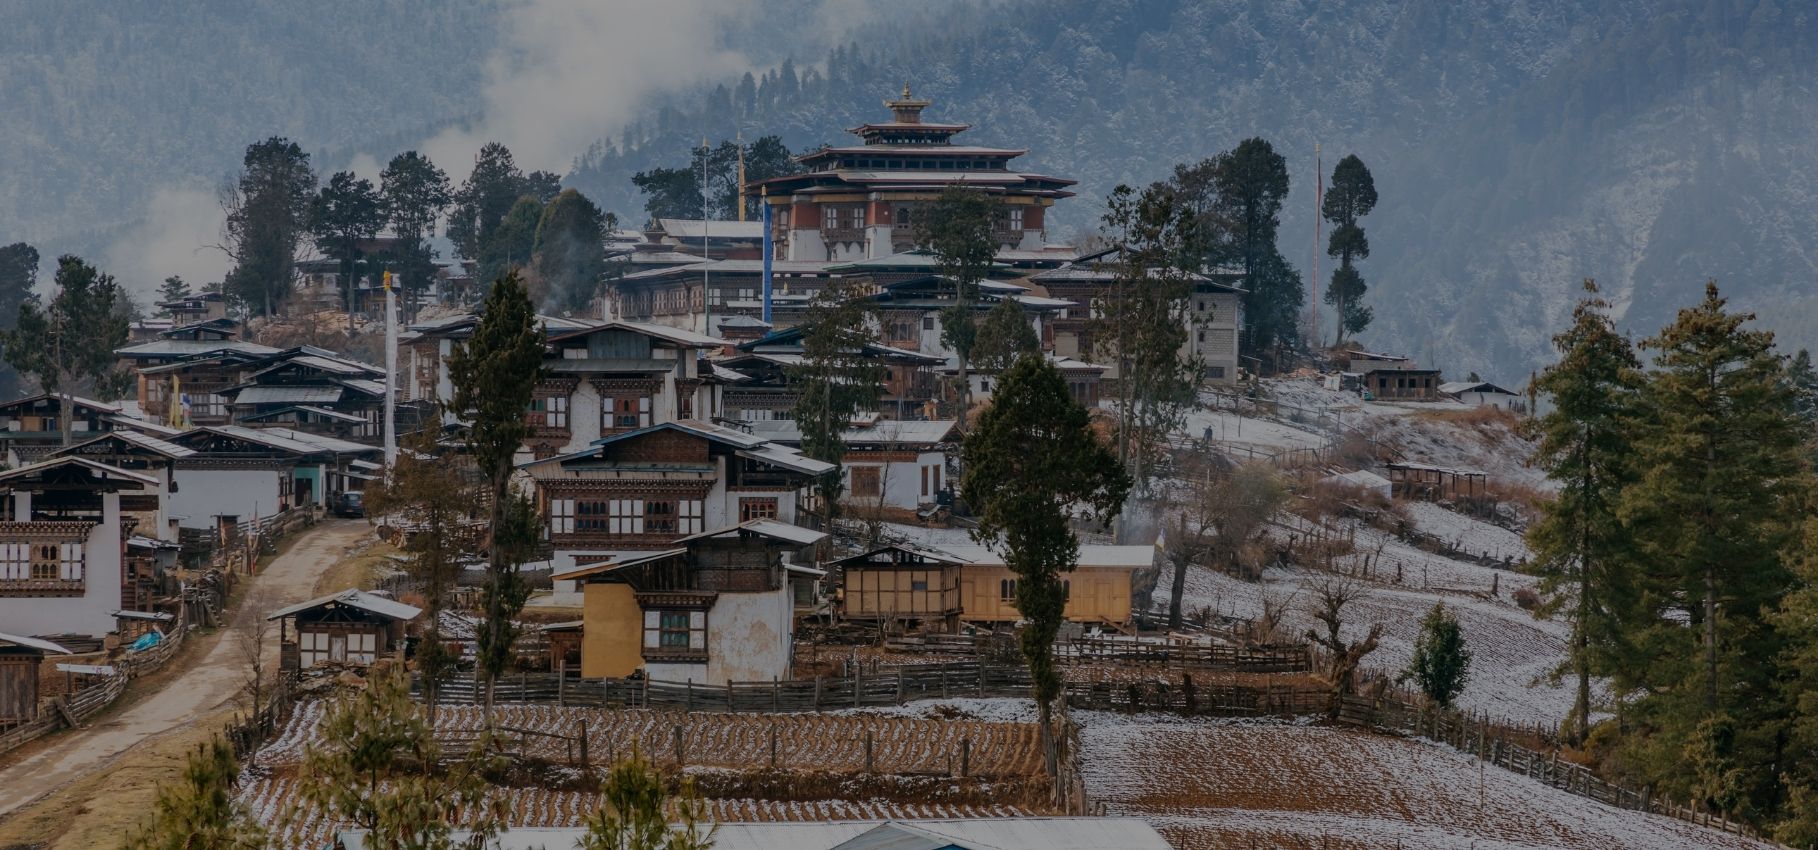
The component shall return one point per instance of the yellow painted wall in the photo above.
(613, 634)
(1097, 594)
(890, 592)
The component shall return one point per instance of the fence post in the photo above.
(965, 756)
(858, 681)
(583, 743)
(868, 762)
(817, 693)
(687, 703)
(773, 743)
(899, 686)
(776, 704)
(562, 682)
(943, 681)
(678, 747)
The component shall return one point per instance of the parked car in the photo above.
(350, 504)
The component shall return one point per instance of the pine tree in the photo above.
(958, 229)
(69, 344)
(1442, 664)
(637, 812)
(173, 289)
(375, 764)
(1352, 196)
(18, 274)
(542, 185)
(570, 254)
(432, 493)
(416, 193)
(510, 246)
(1032, 459)
(484, 198)
(670, 192)
(344, 213)
(1797, 619)
(197, 812)
(1803, 379)
(1142, 322)
(1711, 515)
(1585, 444)
(267, 217)
(1239, 194)
(1005, 335)
(495, 373)
(836, 380)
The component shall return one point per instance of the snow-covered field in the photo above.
(1467, 533)
(1513, 652)
(1225, 784)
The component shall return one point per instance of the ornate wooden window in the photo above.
(675, 634)
(1006, 590)
(867, 481)
(757, 507)
(549, 411)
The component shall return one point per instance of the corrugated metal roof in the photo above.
(288, 395)
(767, 528)
(692, 228)
(779, 456)
(354, 599)
(1089, 555)
(189, 347)
(100, 469)
(914, 432)
(368, 387)
(33, 643)
(325, 443)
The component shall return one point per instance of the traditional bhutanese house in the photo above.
(1481, 394)
(351, 627)
(615, 377)
(62, 553)
(715, 608)
(859, 201)
(646, 489)
(907, 389)
(32, 427)
(719, 238)
(181, 375)
(909, 310)
(1425, 481)
(20, 658)
(148, 455)
(900, 583)
(671, 294)
(424, 349)
(238, 472)
(736, 328)
(315, 377)
(196, 307)
(1098, 589)
(892, 467)
(1083, 380)
(1214, 311)
(1402, 384)
(564, 644)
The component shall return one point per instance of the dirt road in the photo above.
(207, 684)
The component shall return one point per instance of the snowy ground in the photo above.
(1264, 434)
(1472, 535)
(1223, 784)
(1513, 652)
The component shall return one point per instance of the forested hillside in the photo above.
(105, 103)
(1518, 147)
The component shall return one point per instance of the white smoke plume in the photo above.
(176, 235)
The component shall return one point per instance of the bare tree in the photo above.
(1330, 596)
(250, 644)
(1220, 514)
(873, 509)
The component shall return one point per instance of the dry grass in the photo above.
(358, 570)
(102, 810)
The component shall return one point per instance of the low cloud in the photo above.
(176, 235)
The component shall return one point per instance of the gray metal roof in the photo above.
(33, 643)
(288, 395)
(190, 347)
(353, 599)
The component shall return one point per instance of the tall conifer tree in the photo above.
(1580, 546)
(1352, 196)
(959, 229)
(836, 381)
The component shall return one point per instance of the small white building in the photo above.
(63, 550)
(1481, 393)
(1004, 833)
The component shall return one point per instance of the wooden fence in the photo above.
(72, 709)
(1285, 658)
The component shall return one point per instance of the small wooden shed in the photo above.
(351, 627)
(20, 658)
(564, 645)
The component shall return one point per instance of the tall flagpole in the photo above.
(706, 252)
(391, 375)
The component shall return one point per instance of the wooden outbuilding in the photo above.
(351, 627)
(1424, 481)
(20, 658)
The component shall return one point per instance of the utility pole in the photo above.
(1319, 199)
(706, 250)
(391, 375)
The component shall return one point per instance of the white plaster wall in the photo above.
(748, 638)
(92, 612)
(584, 417)
(806, 245)
(203, 494)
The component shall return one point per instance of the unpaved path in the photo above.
(207, 684)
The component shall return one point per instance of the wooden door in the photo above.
(337, 649)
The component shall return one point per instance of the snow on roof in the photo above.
(779, 456)
(1456, 387)
(360, 599)
(1000, 833)
(269, 437)
(100, 470)
(144, 426)
(918, 432)
(607, 566)
(694, 228)
(77, 400)
(189, 347)
(33, 643)
(325, 443)
(765, 528)
(318, 411)
(1094, 555)
(144, 441)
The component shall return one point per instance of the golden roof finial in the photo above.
(905, 90)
